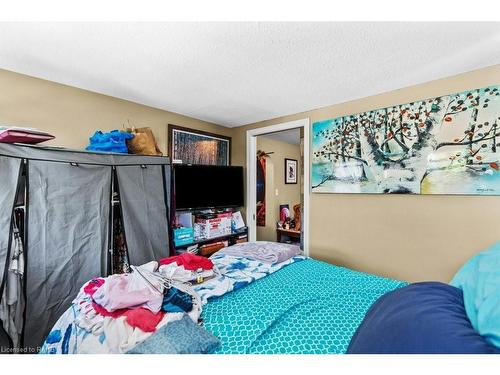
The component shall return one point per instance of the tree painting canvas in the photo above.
(443, 145)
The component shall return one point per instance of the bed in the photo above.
(299, 306)
(308, 307)
(265, 300)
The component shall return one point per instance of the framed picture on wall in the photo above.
(290, 171)
(189, 146)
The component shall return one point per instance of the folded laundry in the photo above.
(189, 261)
(264, 251)
(178, 273)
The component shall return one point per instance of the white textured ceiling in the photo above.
(291, 136)
(238, 73)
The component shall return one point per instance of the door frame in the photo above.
(251, 175)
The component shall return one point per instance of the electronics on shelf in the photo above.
(199, 232)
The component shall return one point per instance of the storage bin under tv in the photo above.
(238, 236)
(206, 231)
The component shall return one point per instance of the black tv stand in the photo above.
(237, 236)
(232, 236)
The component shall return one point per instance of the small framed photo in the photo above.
(290, 171)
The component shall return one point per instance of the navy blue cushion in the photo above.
(423, 318)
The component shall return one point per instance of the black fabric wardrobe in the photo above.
(68, 199)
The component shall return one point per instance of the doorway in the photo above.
(284, 160)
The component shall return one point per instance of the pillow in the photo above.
(479, 279)
(178, 337)
(263, 251)
(421, 318)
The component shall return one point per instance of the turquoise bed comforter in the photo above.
(306, 307)
(298, 306)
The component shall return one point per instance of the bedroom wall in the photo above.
(73, 114)
(275, 179)
(414, 238)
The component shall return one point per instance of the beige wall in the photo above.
(406, 237)
(275, 179)
(73, 115)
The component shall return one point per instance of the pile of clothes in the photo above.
(125, 309)
(128, 313)
(187, 267)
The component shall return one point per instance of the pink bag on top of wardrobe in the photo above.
(12, 134)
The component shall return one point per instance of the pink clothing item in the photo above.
(141, 300)
(92, 286)
(190, 262)
(143, 319)
(113, 314)
(128, 290)
(140, 318)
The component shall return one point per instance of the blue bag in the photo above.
(114, 141)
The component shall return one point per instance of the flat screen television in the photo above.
(207, 186)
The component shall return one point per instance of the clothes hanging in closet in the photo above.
(120, 251)
(12, 305)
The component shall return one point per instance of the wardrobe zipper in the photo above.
(111, 244)
(26, 248)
